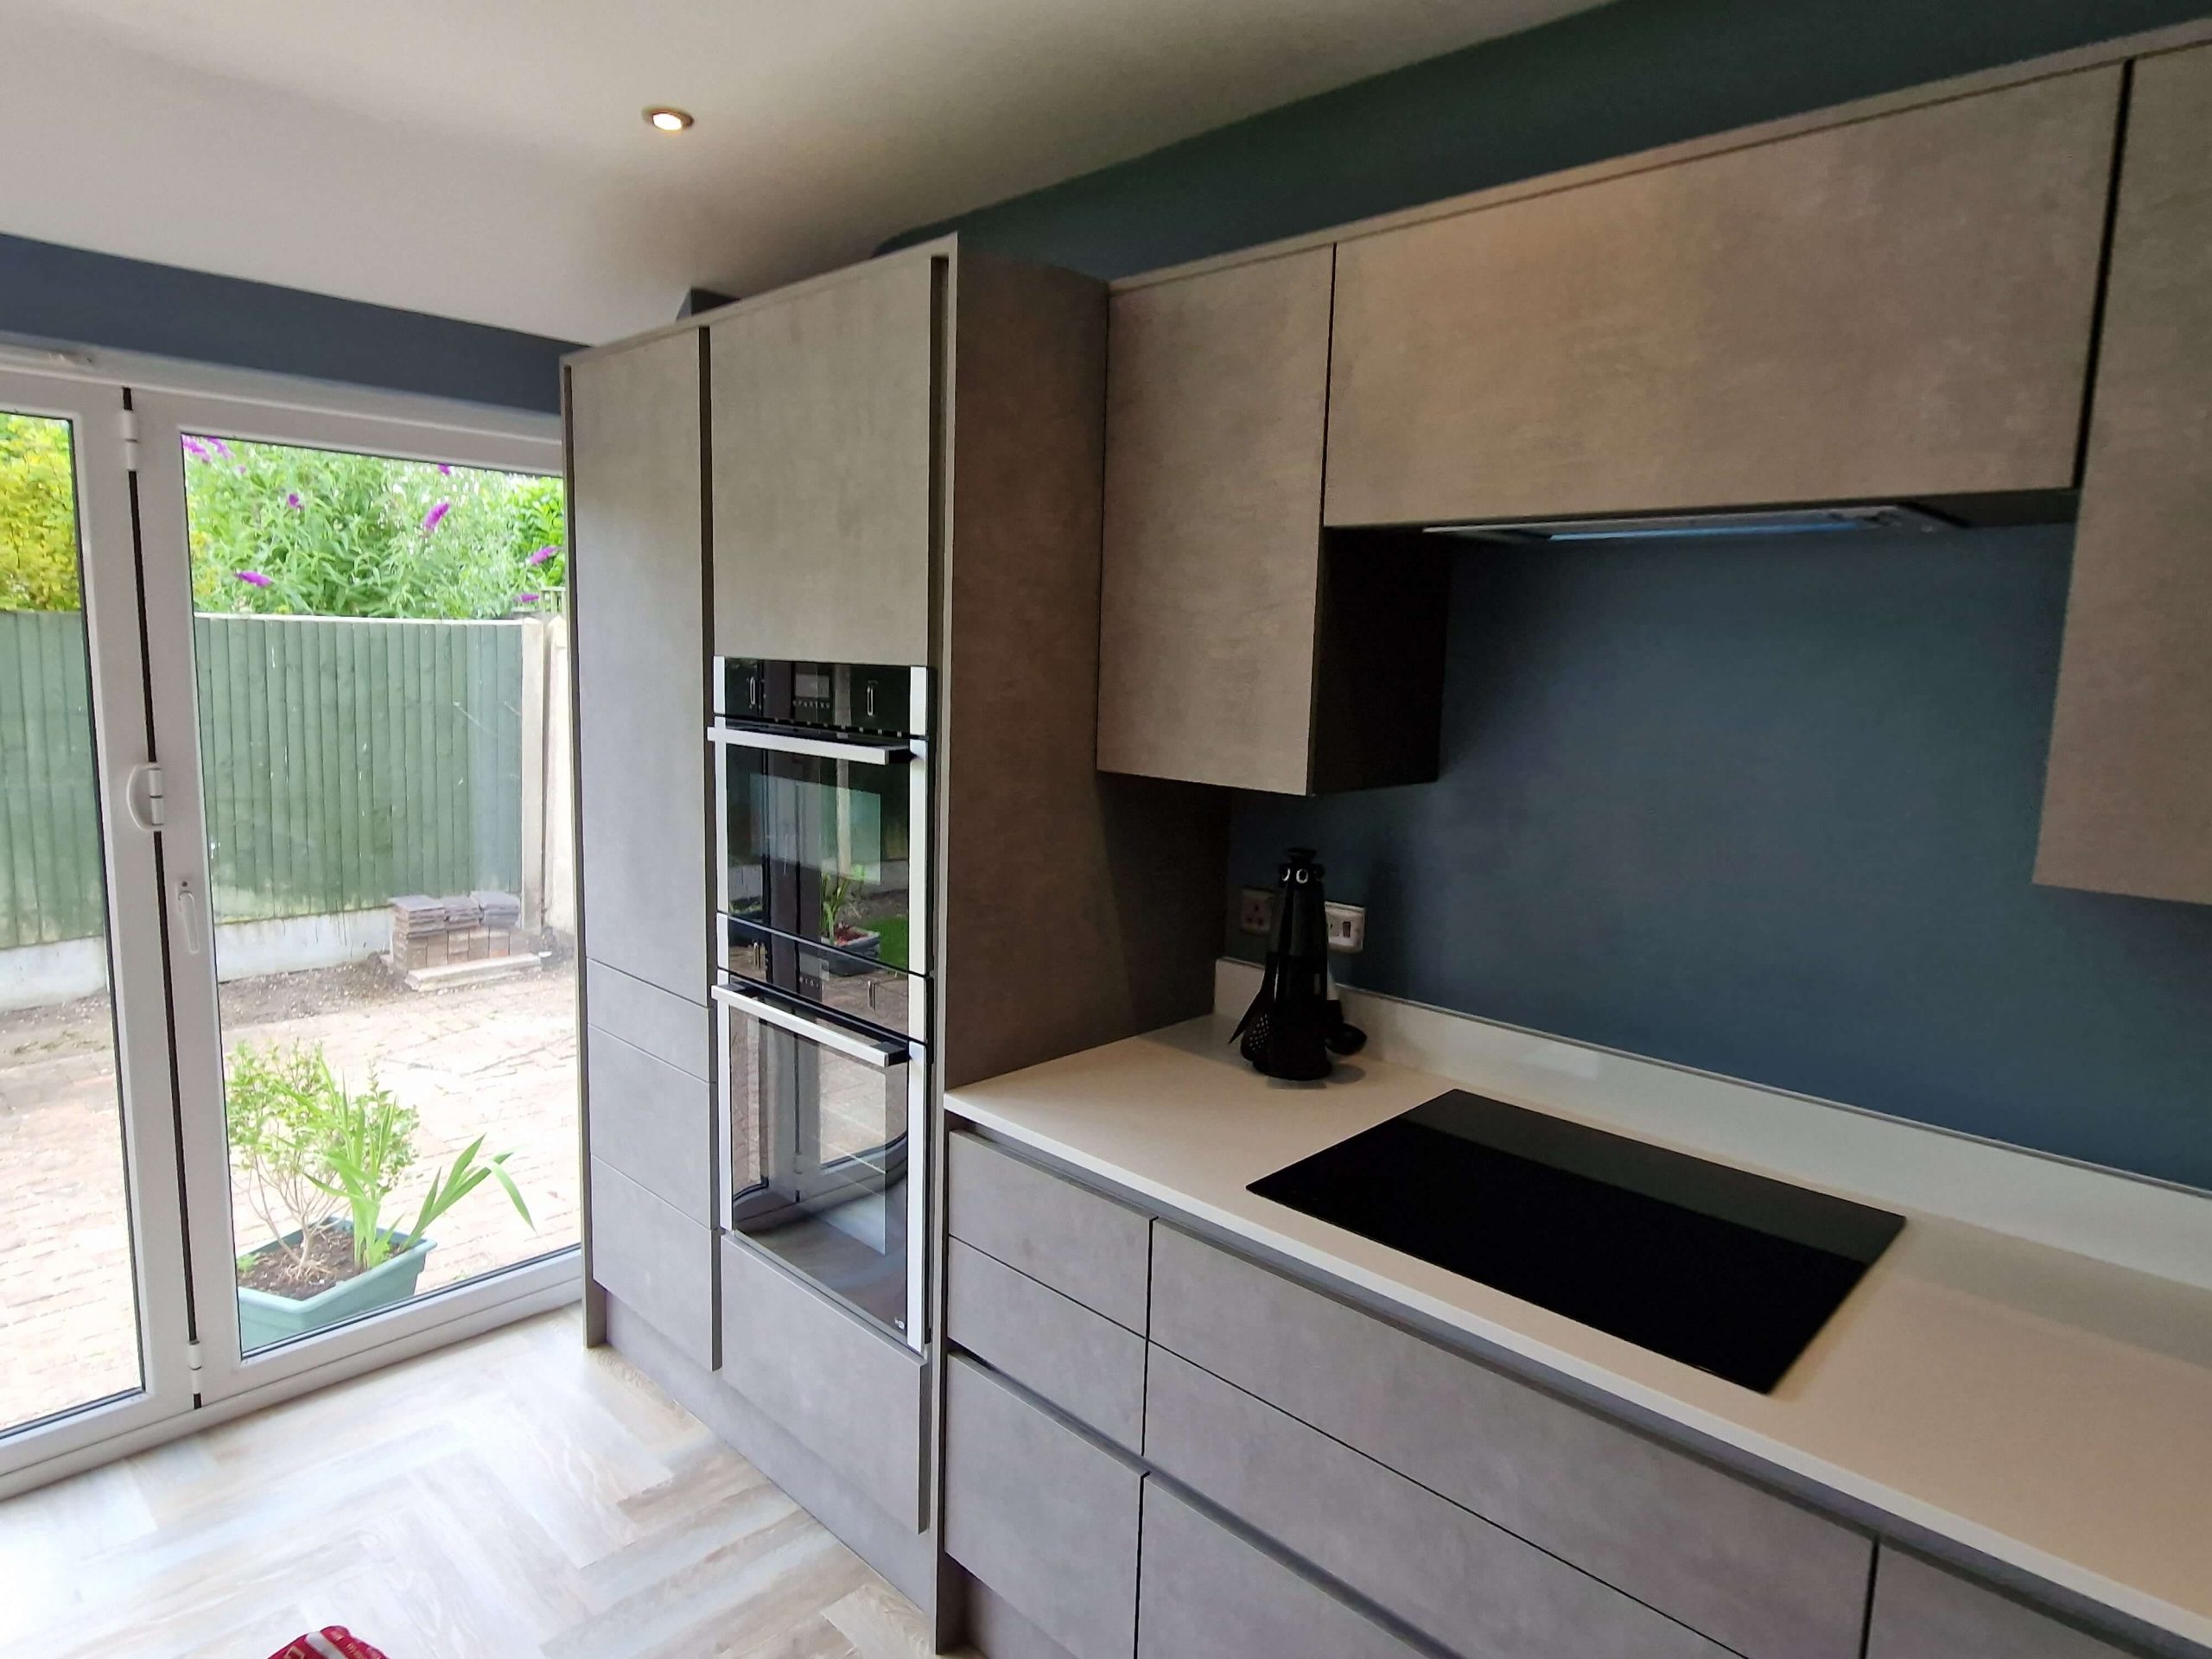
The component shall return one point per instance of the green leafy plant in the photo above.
(837, 894)
(38, 516)
(309, 1145)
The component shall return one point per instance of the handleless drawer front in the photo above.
(849, 1394)
(1046, 1517)
(1081, 1361)
(673, 1029)
(1750, 1569)
(1083, 1245)
(653, 1124)
(1209, 1594)
(1454, 1576)
(655, 1260)
(1925, 1612)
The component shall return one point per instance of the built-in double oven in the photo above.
(821, 988)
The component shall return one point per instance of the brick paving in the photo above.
(498, 1060)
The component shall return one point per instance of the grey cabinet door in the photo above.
(1470, 1586)
(1216, 393)
(638, 584)
(2128, 800)
(1751, 1569)
(1923, 1612)
(1084, 1363)
(653, 1123)
(1082, 1243)
(1895, 307)
(1206, 1593)
(654, 1259)
(1045, 1517)
(849, 1394)
(825, 408)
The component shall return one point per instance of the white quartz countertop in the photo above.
(2049, 1410)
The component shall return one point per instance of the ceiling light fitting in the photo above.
(663, 118)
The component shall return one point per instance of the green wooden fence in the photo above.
(343, 762)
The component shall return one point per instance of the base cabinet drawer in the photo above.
(1207, 1594)
(1923, 1611)
(1045, 1517)
(1080, 1361)
(1753, 1570)
(654, 1259)
(1082, 1243)
(846, 1392)
(653, 1123)
(1475, 1588)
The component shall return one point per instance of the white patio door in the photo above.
(93, 1317)
(348, 726)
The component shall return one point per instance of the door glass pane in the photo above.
(384, 738)
(68, 1306)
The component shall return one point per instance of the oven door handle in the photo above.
(821, 748)
(881, 1053)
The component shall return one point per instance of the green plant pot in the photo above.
(264, 1318)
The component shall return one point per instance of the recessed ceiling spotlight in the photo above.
(665, 120)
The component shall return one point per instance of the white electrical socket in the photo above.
(1346, 926)
(1255, 910)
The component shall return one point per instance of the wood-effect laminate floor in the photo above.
(517, 1496)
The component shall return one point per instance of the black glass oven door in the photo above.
(824, 840)
(823, 1127)
(864, 989)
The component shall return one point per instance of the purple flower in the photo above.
(292, 500)
(444, 471)
(543, 554)
(527, 598)
(430, 520)
(240, 471)
(197, 450)
(222, 450)
(252, 578)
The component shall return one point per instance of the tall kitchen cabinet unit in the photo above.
(636, 420)
(901, 465)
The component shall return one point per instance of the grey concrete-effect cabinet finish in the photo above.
(677, 1030)
(1895, 306)
(1082, 1243)
(2128, 802)
(852, 1396)
(656, 1258)
(639, 580)
(1218, 392)
(1923, 1612)
(653, 1123)
(1458, 1579)
(825, 412)
(1206, 1593)
(1057, 1348)
(1754, 1571)
(1045, 1517)
(1238, 645)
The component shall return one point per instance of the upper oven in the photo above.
(822, 806)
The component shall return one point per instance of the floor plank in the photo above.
(518, 1496)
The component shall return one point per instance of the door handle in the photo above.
(877, 1051)
(142, 797)
(190, 914)
(821, 748)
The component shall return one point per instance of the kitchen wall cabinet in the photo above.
(1923, 1612)
(824, 432)
(1893, 307)
(639, 596)
(2128, 804)
(1229, 630)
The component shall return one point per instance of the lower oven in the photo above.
(825, 1144)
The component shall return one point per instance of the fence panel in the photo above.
(343, 762)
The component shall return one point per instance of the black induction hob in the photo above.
(1725, 1270)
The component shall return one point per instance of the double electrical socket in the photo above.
(1346, 923)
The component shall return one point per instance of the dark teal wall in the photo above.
(1765, 809)
(51, 292)
(1624, 76)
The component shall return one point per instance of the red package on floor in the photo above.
(334, 1642)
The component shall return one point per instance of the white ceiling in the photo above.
(484, 159)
